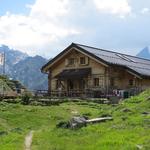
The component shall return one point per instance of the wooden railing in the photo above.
(70, 93)
(84, 93)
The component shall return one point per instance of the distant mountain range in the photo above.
(144, 53)
(24, 68)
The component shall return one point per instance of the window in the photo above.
(96, 81)
(71, 61)
(82, 60)
(131, 82)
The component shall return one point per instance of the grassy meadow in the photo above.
(129, 130)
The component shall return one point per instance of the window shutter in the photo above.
(66, 62)
(86, 60)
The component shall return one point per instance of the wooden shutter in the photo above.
(66, 62)
(86, 60)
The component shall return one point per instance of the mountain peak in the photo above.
(144, 53)
(147, 48)
(24, 68)
(4, 47)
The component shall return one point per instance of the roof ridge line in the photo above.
(111, 51)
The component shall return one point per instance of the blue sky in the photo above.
(46, 27)
(14, 6)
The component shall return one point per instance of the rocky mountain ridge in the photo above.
(22, 67)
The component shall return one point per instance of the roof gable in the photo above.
(137, 65)
(66, 51)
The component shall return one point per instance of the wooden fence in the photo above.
(87, 93)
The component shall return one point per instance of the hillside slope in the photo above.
(9, 86)
(129, 129)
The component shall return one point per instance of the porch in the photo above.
(72, 82)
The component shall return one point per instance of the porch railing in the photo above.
(88, 93)
(70, 93)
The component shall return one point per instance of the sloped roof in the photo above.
(137, 65)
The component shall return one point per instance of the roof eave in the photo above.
(138, 75)
(45, 68)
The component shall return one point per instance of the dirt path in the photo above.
(28, 140)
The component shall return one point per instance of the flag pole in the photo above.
(4, 63)
(3, 70)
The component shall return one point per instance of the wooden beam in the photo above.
(96, 120)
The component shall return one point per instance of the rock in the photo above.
(3, 133)
(126, 110)
(74, 123)
(139, 146)
(17, 130)
(85, 117)
(63, 124)
(114, 100)
(81, 121)
(77, 122)
(148, 98)
(145, 113)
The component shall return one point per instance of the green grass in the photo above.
(128, 129)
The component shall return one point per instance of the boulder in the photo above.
(81, 121)
(77, 122)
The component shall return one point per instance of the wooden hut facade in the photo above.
(81, 70)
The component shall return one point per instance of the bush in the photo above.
(25, 99)
(63, 124)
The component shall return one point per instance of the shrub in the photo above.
(25, 99)
(3, 133)
(63, 124)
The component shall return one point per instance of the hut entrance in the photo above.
(70, 85)
(82, 84)
(76, 84)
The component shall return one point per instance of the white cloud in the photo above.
(120, 8)
(145, 10)
(49, 8)
(41, 27)
(53, 24)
